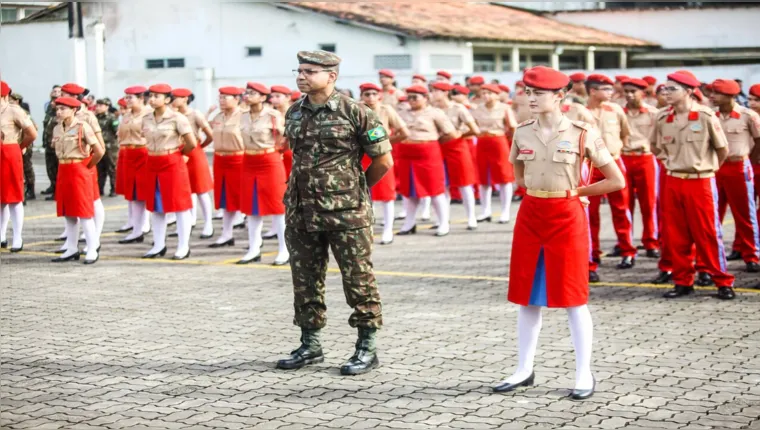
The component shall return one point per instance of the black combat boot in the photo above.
(365, 357)
(310, 351)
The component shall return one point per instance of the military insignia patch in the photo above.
(296, 115)
(564, 145)
(376, 134)
(696, 127)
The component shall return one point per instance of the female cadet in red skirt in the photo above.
(13, 123)
(384, 192)
(130, 170)
(549, 263)
(263, 181)
(228, 161)
(169, 136)
(420, 160)
(280, 99)
(197, 165)
(495, 120)
(457, 158)
(78, 151)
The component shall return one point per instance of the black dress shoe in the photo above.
(207, 236)
(269, 236)
(138, 239)
(662, 278)
(360, 363)
(19, 249)
(704, 279)
(160, 253)
(124, 230)
(734, 256)
(175, 234)
(239, 226)
(583, 394)
(407, 232)
(30, 196)
(255, 259)
(593, 277)
(472, 228)
(678, 291)
(184, 257)
(456, 201)
(753, 267)
(50, 198)
(517, 198)
(4, 244)
(48, 190)
(169, 224)
(616, 252)
(112, 194)
(726, 293)
(507, 387)
(485, 219)
(60, 239)
(626, 263)
(399, 217)
(71, 257)
(88, 262)
(230, 242)
(653, 253)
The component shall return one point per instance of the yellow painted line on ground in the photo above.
(55, 215)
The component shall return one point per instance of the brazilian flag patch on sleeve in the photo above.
(377, 133)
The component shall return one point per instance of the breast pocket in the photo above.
(336, 136)
(526, 156)
(695, 136)
(337, 191)
(565, 156)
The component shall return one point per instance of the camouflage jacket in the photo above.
(327, 189)
(109, 125)
(48, 125)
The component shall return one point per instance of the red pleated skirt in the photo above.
(11, 174)
(227, 170)
(287, 161)
(119, 187)
(385, 189)
(550, 254)
(394, 154)
(199, 172)
(493, 160)
(420, 167)
(458, 163)
(262, 185)
(167, 183)
(131, 180)
(94, 178)
(73, 191)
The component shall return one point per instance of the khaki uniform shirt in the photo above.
(742, 127)
(197, 122)
(688, 144)
(555, 165)
(130, 129)
(460, 116)
(491, 121)
(163, 134)
(74, 141)
(259, 129)
(327, 189)
(578, 112)
(613, 125)
(642, 122)
(390, 98)
(390, 118)
(227, 136)
(426, 125)
(13, 121)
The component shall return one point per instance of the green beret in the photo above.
(319, 58)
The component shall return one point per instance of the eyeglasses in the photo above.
(309, 72)
(670, 89)
(413, 97)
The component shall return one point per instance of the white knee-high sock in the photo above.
(184, 227)
(404, 207)
(92, 237)
(411, 213)
(194, 209)
(171, 217)
(485, 200)
(17, 220)
(100, 215)
(424, 210)
(255, 225)
(72, 239)
(139, 215)
(159, 232)
(468, 201)
(130, 216)
(528, 329)
(282, 250)
(440, 203)
(204, 200)
(228, 221)
(5, 216)
(388, 218)
(144, 217)
(582, 333)
(505, 195)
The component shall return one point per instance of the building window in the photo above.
(447, 62)
(155, 64)
(8, 14)
(572, 61)
(483, 63)
(396, 62)
(539, 60)
(329, 47)
(175, 63)
(253, 51)
(160, 63)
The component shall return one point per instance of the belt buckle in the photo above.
(542, 194)
(682, 175)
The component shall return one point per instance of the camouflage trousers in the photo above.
(51, 164)
(352, 250)
(107, 170)
(29, 169)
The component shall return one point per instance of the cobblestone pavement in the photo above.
(159, 344)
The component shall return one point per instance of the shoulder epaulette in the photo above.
(583, 125)
(526, 122)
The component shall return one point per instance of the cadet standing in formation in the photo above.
(51, 161)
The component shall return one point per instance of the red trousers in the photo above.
(621, 217)
(692, 220)
(666, 253)
(736, 188)
(756, 170)
(641, 181)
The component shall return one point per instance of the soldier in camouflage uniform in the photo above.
(48, 125)
(328, 207)
(110, 126)
(29, 178)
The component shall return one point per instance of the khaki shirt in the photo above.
(260, 129)
(619, 99)
(227, 136)
(688, 143)
(390, 118)
(460, 116)
(613, 125)
(742, 127)
(556, 165)
(426, 125)
(577, 112)
(163, 134)
(642, 122)
(131, 130)
(477, 101)
(521, 106)
(197, 122)
(74, 141)
(491, 121)
(13, 121)
(651, 101)
(390, 98)
(88, 117)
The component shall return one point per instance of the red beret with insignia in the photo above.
(443, 86)
(181, 92)
(417, 89)
(726, 86)
(369, 86)
(282, 89)
(545, 78)
(600, 79)
(259, 88)
(684, 77)
(72, 89)
(68, 101)
(136, 90)
(160, 89)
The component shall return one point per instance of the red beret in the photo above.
(600, 79)
(709, 87)
(4, 89)
(461, 89)
(684, 77)
(295, 96)
(621, 78)
(231, 91)
(72, 89)
(444, 73)
(387, 73)
(443, 86)
(492, 88)
(68, 101)
(136, 90)
(659, 88)
(259, 88)
(281, 89)
(755, 90)
(477, 80)
(578, 77)
(182, 92)
(640, 83)
(726, 86)
(417, 89)
(420, 77)
(160, 89)
(504, 88)
(520, 84)
(122, 102)
(698, 94)
(402, 98)
(369, 86)
(545, 78)
(651, 80)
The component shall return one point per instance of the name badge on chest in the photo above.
(526, 151)
(565, 145)
(696, 127)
